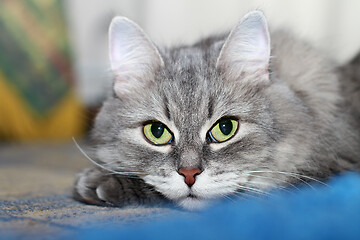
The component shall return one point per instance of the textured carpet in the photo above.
(35, 194)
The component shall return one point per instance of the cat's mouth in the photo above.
(192, 196)
(192, 202)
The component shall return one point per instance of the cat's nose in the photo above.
(189, 175)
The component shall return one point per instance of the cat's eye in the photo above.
(157, 133)
(223, 130)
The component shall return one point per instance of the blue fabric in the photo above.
(321, 213)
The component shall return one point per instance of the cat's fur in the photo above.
(299, 117)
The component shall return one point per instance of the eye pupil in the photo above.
(225, 126)
(157, 129)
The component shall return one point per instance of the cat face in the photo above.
(194, 122)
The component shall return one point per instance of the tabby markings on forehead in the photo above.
(167, 111)
(210, 107)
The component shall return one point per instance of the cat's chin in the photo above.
(193, 203)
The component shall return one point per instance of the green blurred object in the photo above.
(36, 75)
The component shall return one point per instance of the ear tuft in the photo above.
(247, 49)
(134, 58)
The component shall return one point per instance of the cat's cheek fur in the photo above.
(173, 186)
(209, 186)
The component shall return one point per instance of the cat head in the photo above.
(195, 122)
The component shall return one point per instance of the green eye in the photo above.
(157, 133)
(223, 130)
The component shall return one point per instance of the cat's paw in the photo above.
(95, 186)
(99, 187)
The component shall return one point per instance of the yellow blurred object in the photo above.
(17, 122)
(37, 99)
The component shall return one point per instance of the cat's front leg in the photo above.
(99, 187)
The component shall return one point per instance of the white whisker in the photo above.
(102, 166)
(267, 177)
(295, 175)
(253, 190)
(227, 197)
(246, 195)
(277, 187)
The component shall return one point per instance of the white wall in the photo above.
(332, 26)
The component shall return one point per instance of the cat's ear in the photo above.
(134, 58)
(247, 49)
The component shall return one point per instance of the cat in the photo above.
(241, 113)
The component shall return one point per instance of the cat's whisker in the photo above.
(303, 181)
(310, 178)
(117, 170)
(295, 175)
(127, 173)
(275, 187)
(247, 195)
(257, 183)
(227, 197)
(241, 196)
(251, 189)
(276, 180)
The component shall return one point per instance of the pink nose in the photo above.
(189, 175)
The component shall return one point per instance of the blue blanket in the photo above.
(322, 212)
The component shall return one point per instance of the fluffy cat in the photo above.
(234, 114)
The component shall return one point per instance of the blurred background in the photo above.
(54, 68)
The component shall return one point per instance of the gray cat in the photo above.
(229, 115)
